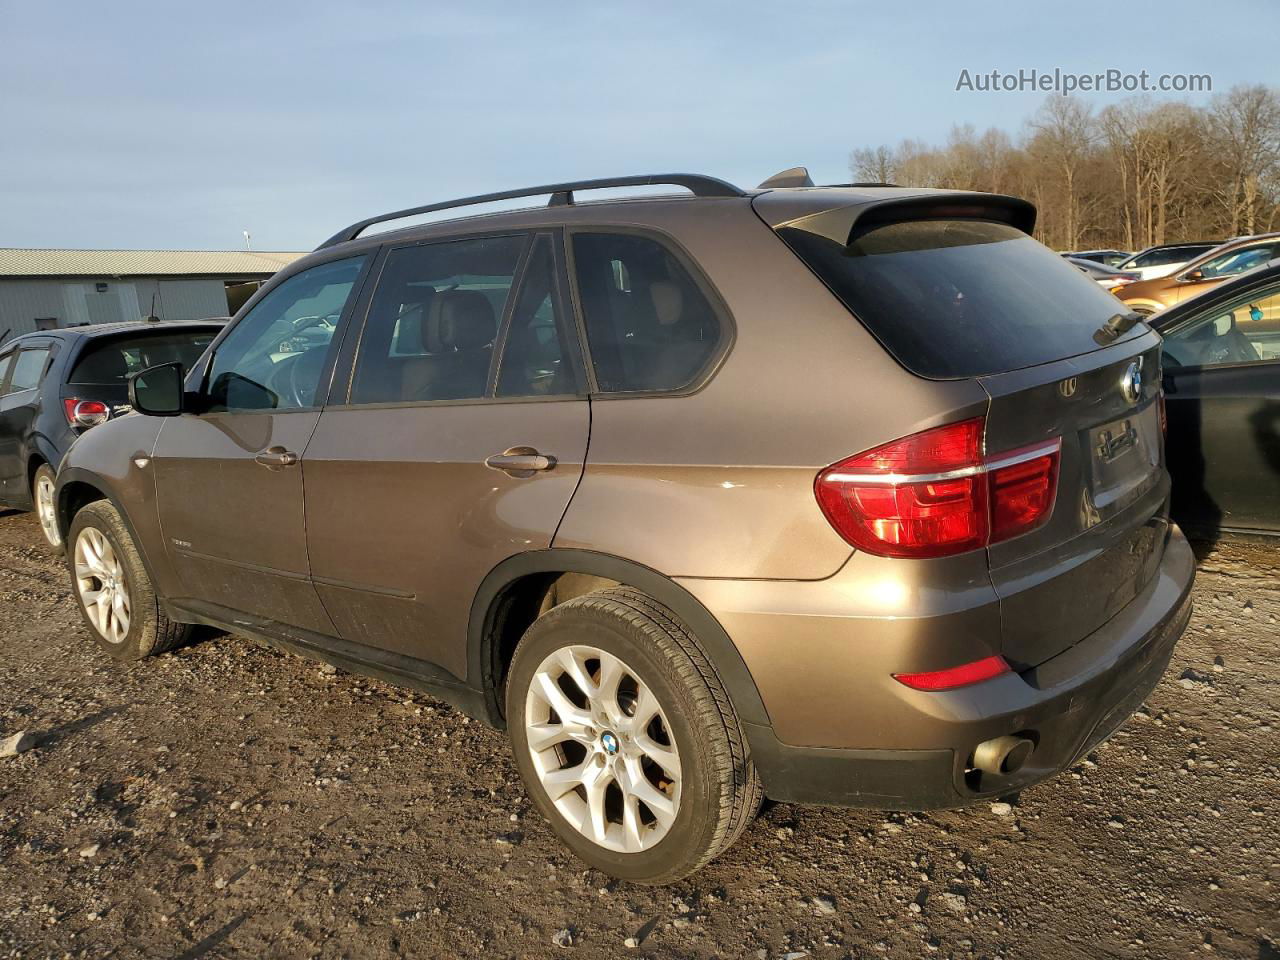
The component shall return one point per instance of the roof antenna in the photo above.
(792, 177)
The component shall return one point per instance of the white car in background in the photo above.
(1162, 260)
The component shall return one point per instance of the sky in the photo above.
(180, 125)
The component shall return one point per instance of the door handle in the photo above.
(520, 461)
(277, 457)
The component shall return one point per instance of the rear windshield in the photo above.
(961, 298)
(112, 360)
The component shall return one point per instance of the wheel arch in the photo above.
(77, 488)
(512, 595)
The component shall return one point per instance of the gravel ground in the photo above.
(228, 800)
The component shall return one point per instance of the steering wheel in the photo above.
(303, 376)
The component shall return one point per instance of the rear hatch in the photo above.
(1103, 541)
(954, 288)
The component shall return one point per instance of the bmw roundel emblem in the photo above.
(610, 743)
(1131, 382)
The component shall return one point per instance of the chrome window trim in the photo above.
(1008, 459)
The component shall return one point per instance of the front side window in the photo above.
(28, 369)
(1236, 261)
(6, 362)
(433, 320)
(649, 325)
(274, 357)
(1245, 330)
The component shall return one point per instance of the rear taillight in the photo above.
(1022, 493)
(934, 494)
(85, 413)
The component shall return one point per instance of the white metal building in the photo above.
(42, 289)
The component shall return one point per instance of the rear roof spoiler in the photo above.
(845, 223)
(1019, 214)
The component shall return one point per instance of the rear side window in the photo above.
(1160, 258)
(961, 298)
(1236, 261)
(112, 361)
(28, 369)
(433, 320)
(650, 327)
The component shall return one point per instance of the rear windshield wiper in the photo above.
(1117, 325)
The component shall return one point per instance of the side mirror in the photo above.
(1193, 276)
(157, 391)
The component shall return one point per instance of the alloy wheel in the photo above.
(602, 748)
(101, 583)
(45, 510)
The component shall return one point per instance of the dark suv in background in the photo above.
(56, 384)
(847, 495)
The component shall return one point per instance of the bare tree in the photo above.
(1135, 174)
(1244, 125)
(873, 165)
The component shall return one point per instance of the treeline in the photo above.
(1130, 175)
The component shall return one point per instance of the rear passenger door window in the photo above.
(28, 370)
(433, 321)
(650, 326)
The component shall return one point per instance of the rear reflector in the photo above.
(950, 679)
(933, 494)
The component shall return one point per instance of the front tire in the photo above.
(112, 588)
(42, 488)
(626, 739)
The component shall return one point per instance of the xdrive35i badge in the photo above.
(1131, 382)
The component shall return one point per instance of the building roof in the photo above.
(18, 262)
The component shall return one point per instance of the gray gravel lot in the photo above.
(228, 800)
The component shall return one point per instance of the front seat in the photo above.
(458, 331)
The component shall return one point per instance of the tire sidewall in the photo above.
(694, 829)
(131, 647)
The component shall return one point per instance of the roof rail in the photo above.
(561, 195)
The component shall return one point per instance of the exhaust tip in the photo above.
(1003, 755)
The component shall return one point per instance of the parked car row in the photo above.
(1202, 273)
(851, 495)
(1159, 277)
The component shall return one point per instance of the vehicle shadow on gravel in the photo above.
(55, 735)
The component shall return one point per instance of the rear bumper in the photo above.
(1066, 706)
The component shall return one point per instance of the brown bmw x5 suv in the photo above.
(847, 495)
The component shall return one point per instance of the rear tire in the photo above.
(112, 588)
(42, 487)
(645, 690)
